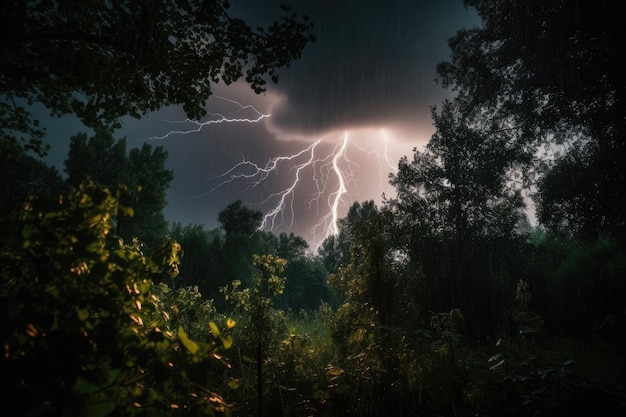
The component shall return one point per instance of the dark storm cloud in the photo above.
(373, 62)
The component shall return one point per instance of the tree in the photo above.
(335, 249)
(201, 255)
(550, 73)
(151, 180)
(375, 326)
(457, 210)
(306, 277)
(568, 195)
(577, 286)
(256, 304)
(83, 330)
(105, 60)
(368, 279)
(35, 177)
(100, 158)
(242, 239)
(291, 247)
(239, 222)
(140, 173)
(306, 287)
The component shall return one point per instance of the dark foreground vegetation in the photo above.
(443, 301)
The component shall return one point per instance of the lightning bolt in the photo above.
(217, 118)
(383, 158)
(269, 220)
(334, 198)
(335, 164)
(320, 172)
(275, 217)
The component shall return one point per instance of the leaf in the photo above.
(334, 371)
(128, 211)
(191, 346)
(230, 323)
(227, 341)
(162, 346)
(83, 314)
(214, 329)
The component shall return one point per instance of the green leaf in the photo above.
(227, 341)
(191, 346)
(162, 346)
(214, 329)
(83, 313)
(128, 211)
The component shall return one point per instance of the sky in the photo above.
(327, 135)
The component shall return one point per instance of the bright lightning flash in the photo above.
(321, 173)
(215, 118)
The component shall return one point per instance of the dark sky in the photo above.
(363, 90)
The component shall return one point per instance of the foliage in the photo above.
(242, 239)
(570, 200)
(140, 174)
(213, 258)
(577, 286)
(83, 331)
(548, 75)
(201, 257)
(239, 222)
(335, 249)
(298, 366)
(306, 287)
(262, 325)
(457, 213)
(519, 376)
(373, 327)
(189, 309)
(35, 177)
(105, 60)
(266, 285)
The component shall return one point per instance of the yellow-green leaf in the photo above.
(162, 346)
(82, 314)
(227, 341)
(191, 346)
(214, 329)
(127, 210)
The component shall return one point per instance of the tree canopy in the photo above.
(549, 75)
(104, 60)
(139, 173)
(84, 330)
